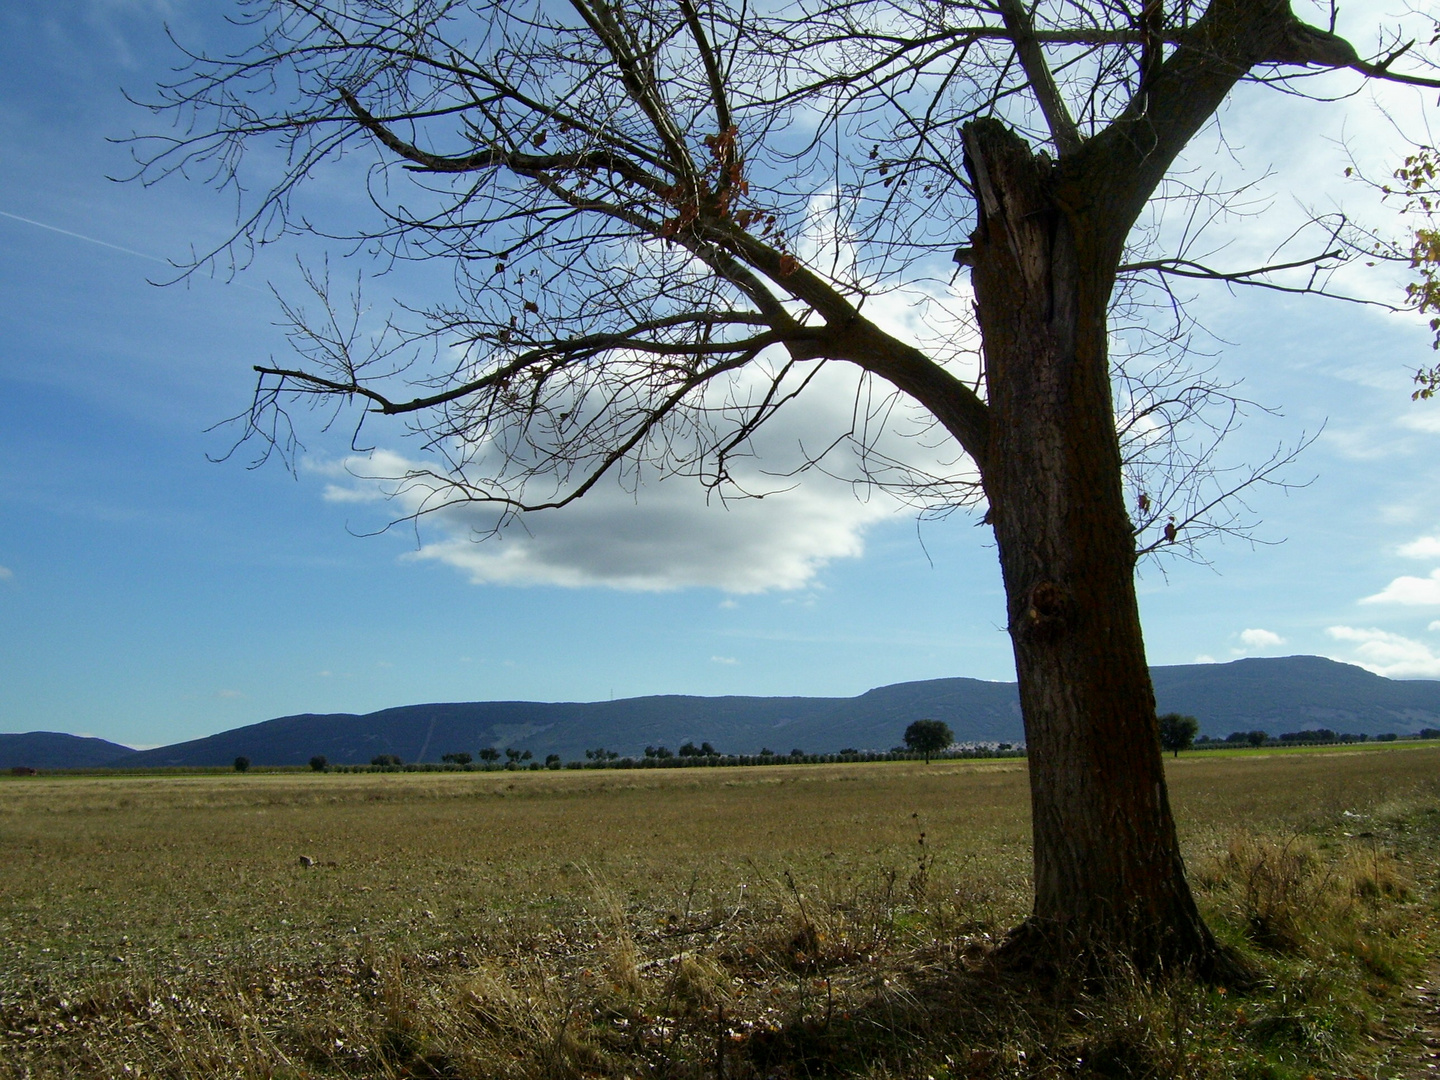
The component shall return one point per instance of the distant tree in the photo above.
(552, 761)
(456, 759)
(1177, 732)
(1310, 735)
(242, 763)
(1388, 736)
(710, 751)
(512, 754)
(689, 749)
(319, 763)
(1429, 733)
(386, 759)
(928, 737)
(765, 751)
(489, 754)
(1256, 738)
(797, 752)
(526, 755)
(849, 751)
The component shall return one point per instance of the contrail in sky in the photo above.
(82, 236)
(114, 247)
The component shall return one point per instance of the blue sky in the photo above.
(150, 595)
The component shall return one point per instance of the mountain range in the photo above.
(1274, 695)
(52, 750)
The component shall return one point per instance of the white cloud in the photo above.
(1388, 654)
(723, 660)
(1410, 591)
(667, 538)
(353, 493)
(1261, 639)
(662, 534)
(1434, 625)
(1427, 547)
(1204, 658)
(6, 573)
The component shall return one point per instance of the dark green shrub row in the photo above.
(687, 762)
(1310, 737)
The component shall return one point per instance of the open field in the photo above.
(683, 922)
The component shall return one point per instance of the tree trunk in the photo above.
(1109, 880)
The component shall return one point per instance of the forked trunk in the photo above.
(1109, 879)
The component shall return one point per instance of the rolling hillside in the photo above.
(1276, 695)
(52, 750)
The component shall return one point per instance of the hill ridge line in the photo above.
(1273, 694)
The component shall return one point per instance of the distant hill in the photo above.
(1292, 693)
(52, 750)
(1274, 695)
(974, 709)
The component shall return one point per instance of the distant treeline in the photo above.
(1310, 737)
(656, 759)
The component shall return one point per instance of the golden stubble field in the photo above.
(609, 923)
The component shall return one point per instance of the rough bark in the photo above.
(1109, 879)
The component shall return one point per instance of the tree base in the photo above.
(1053, 955)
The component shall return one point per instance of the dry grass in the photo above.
(778, 921)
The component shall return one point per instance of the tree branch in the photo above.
(1042, 82)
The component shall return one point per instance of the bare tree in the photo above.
(666, 217)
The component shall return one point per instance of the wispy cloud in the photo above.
(1384, 653)
(6, 574)
(723, 660)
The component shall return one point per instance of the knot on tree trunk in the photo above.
(1047, 612)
